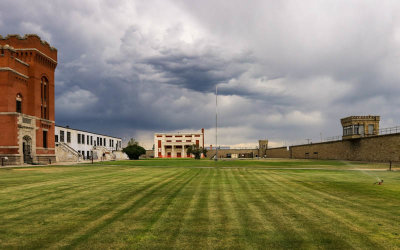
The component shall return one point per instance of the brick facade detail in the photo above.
(27, 66)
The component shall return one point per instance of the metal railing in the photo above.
(382, 131)
(69, 148)
(333, 138)
(391, 130)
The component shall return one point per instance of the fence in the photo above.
(383, 131)
(391, 130)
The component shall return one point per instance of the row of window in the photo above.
(179, 141)
(357, 130)
(44, 95)
(87, 155)
(62, 137)
(159, 142)
(88, 140)
(189, 136)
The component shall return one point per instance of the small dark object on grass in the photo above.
(379, 182)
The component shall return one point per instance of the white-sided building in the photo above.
(72, 143)
(174, 145)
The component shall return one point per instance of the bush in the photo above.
(197, 151)
(134, 151)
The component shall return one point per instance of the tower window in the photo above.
(19, 103)
(44, 93)
(61, 136)
(45, 139)
(19, 106)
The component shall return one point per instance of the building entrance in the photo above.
(27, 149)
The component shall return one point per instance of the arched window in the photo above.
(44, 94)
(19, 103)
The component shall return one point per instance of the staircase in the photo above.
(66, 153)
(100, 150)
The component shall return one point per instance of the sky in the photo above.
(285, 70)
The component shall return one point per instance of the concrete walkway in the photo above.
(48, 165)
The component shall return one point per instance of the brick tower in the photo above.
(27, 66)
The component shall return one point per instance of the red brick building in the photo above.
(27, 66)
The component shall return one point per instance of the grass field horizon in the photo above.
(166, 203)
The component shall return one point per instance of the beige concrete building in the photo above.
(174, 145)
(360, 126)
(74, 145)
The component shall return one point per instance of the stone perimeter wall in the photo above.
(281, 152)
(380, 148)
(222, 153)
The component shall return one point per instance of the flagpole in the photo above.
(216, 122)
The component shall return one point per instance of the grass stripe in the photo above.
(83, 216)
(153, 231)
(195, 221)
(316, 216)
(118, 211)
(68, 198)
(282, 232)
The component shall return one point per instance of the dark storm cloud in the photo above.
(287, 70)
(196, 66)
(197, 73)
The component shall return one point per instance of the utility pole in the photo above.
(216, 122)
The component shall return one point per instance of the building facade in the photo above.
(86, 143)
(174, 145)
(27, 66)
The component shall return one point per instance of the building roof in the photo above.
(360, 118)
(178, 133)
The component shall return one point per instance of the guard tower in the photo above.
(262, 148)
(360, 126)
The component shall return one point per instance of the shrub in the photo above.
(197, 151)
(133, 150)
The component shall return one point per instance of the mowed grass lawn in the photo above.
(188, 204)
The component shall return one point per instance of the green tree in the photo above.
(134, 150)
(133, 142)
(197, 151)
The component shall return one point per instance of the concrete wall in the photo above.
(242, 153)
(149, 153)
(281, 152)
(65, 154)
(375, 148)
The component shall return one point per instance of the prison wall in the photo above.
(227, 153)
(380, 148)
(281, 152)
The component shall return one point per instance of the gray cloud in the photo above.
(285, 70)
